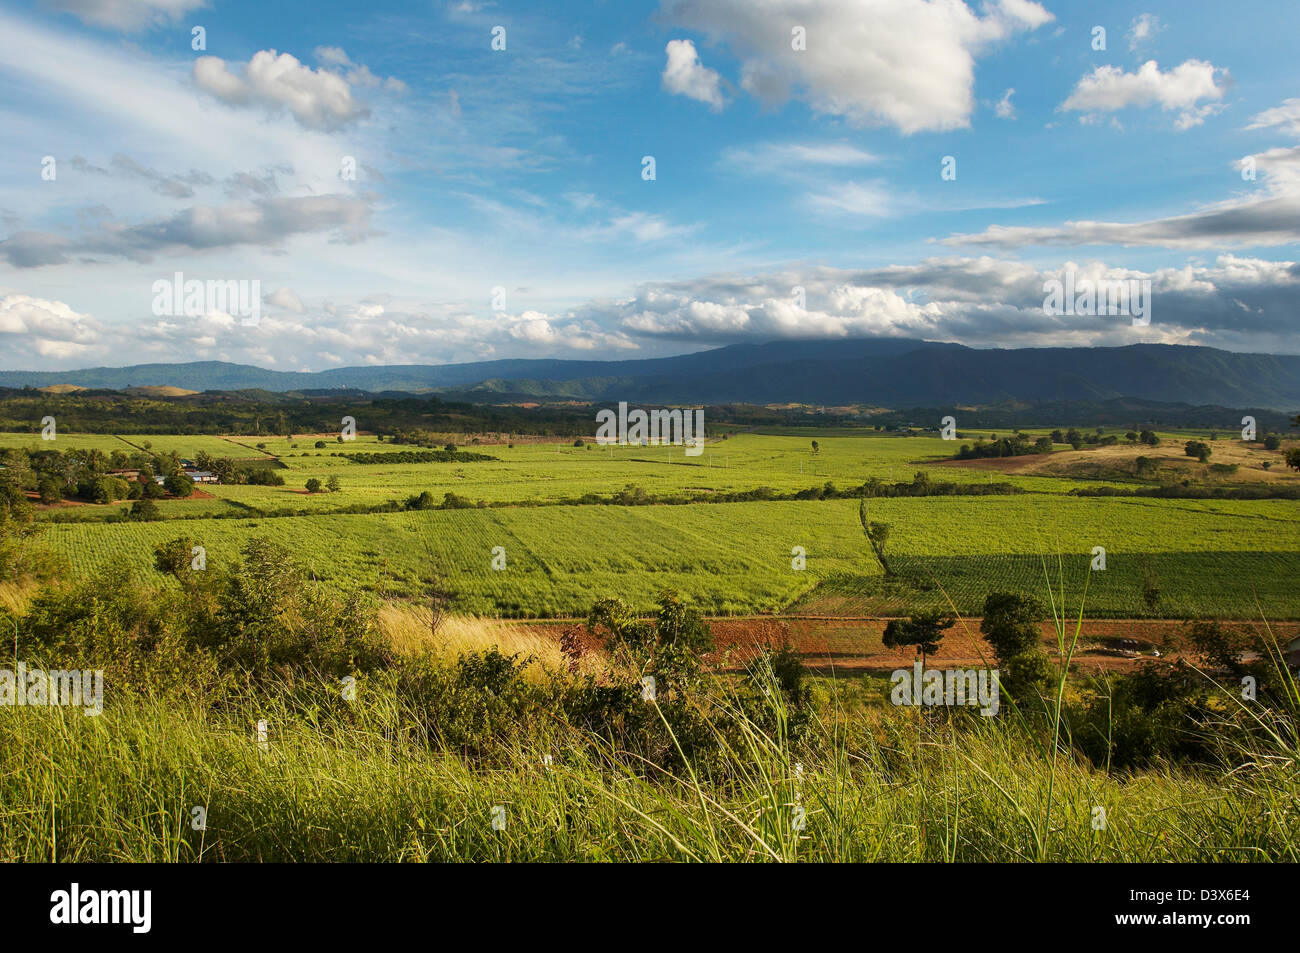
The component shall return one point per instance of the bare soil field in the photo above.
(853, 647)
(1103, 462)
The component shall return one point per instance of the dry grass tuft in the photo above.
(407, 629)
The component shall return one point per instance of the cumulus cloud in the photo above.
(285, 298)
(1236, 303)
(358, 74)
(1109, 89)
(905, 63)
(685, 75)
(49, 329)
(126, 15)
(317, 98)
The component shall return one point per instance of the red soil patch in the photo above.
(853, 646)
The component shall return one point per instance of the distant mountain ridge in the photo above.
(889, 372)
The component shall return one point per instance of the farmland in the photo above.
(552, 472)
(1211, 557)
(1231, 558)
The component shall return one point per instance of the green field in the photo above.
(551, 472)
(1211, 557)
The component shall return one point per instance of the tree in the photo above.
(109, 490)
(1043, 445)
(1131, 436)
(1272, 442)
(450, 448)
(313, 485)
(1011, 627)
(1197, 449)
(877, 536)
(815, 447)
(320, 444)
(670, 647)
(172, 558)
(49, 491)
(925, 631)
(145, 510)
(1149, 438)
(1293, 458)
(334, 484)
(178, 484)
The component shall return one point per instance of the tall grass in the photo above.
(408, 629)
(899, 785)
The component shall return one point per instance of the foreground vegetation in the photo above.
(232, 694)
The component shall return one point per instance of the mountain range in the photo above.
(884, 372)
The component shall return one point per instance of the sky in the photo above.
(459, 180)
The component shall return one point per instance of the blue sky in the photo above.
(514, 177)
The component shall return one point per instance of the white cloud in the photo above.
(50, 329)
(1270, 216)
(1003, 109)
(1110, 89)
(267, 222)
(126, 15)
(1235, 303)
(318, 99)
(905, 63)
(685, 75)
(1285, 116)
(795, 156)
(1142, 29)
(285, 298)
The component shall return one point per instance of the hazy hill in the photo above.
(882, 371)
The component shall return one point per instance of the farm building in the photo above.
(201, 476)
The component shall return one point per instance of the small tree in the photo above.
(925, 631)
(334, 484)
(145, 510)
(178, 484)
(877, 536)
(49, 490)
(313, 485)
(1272, 442)
(1293, 458)
(815, 447)
(1197, 449)
(172, 558)
(1011, 627)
